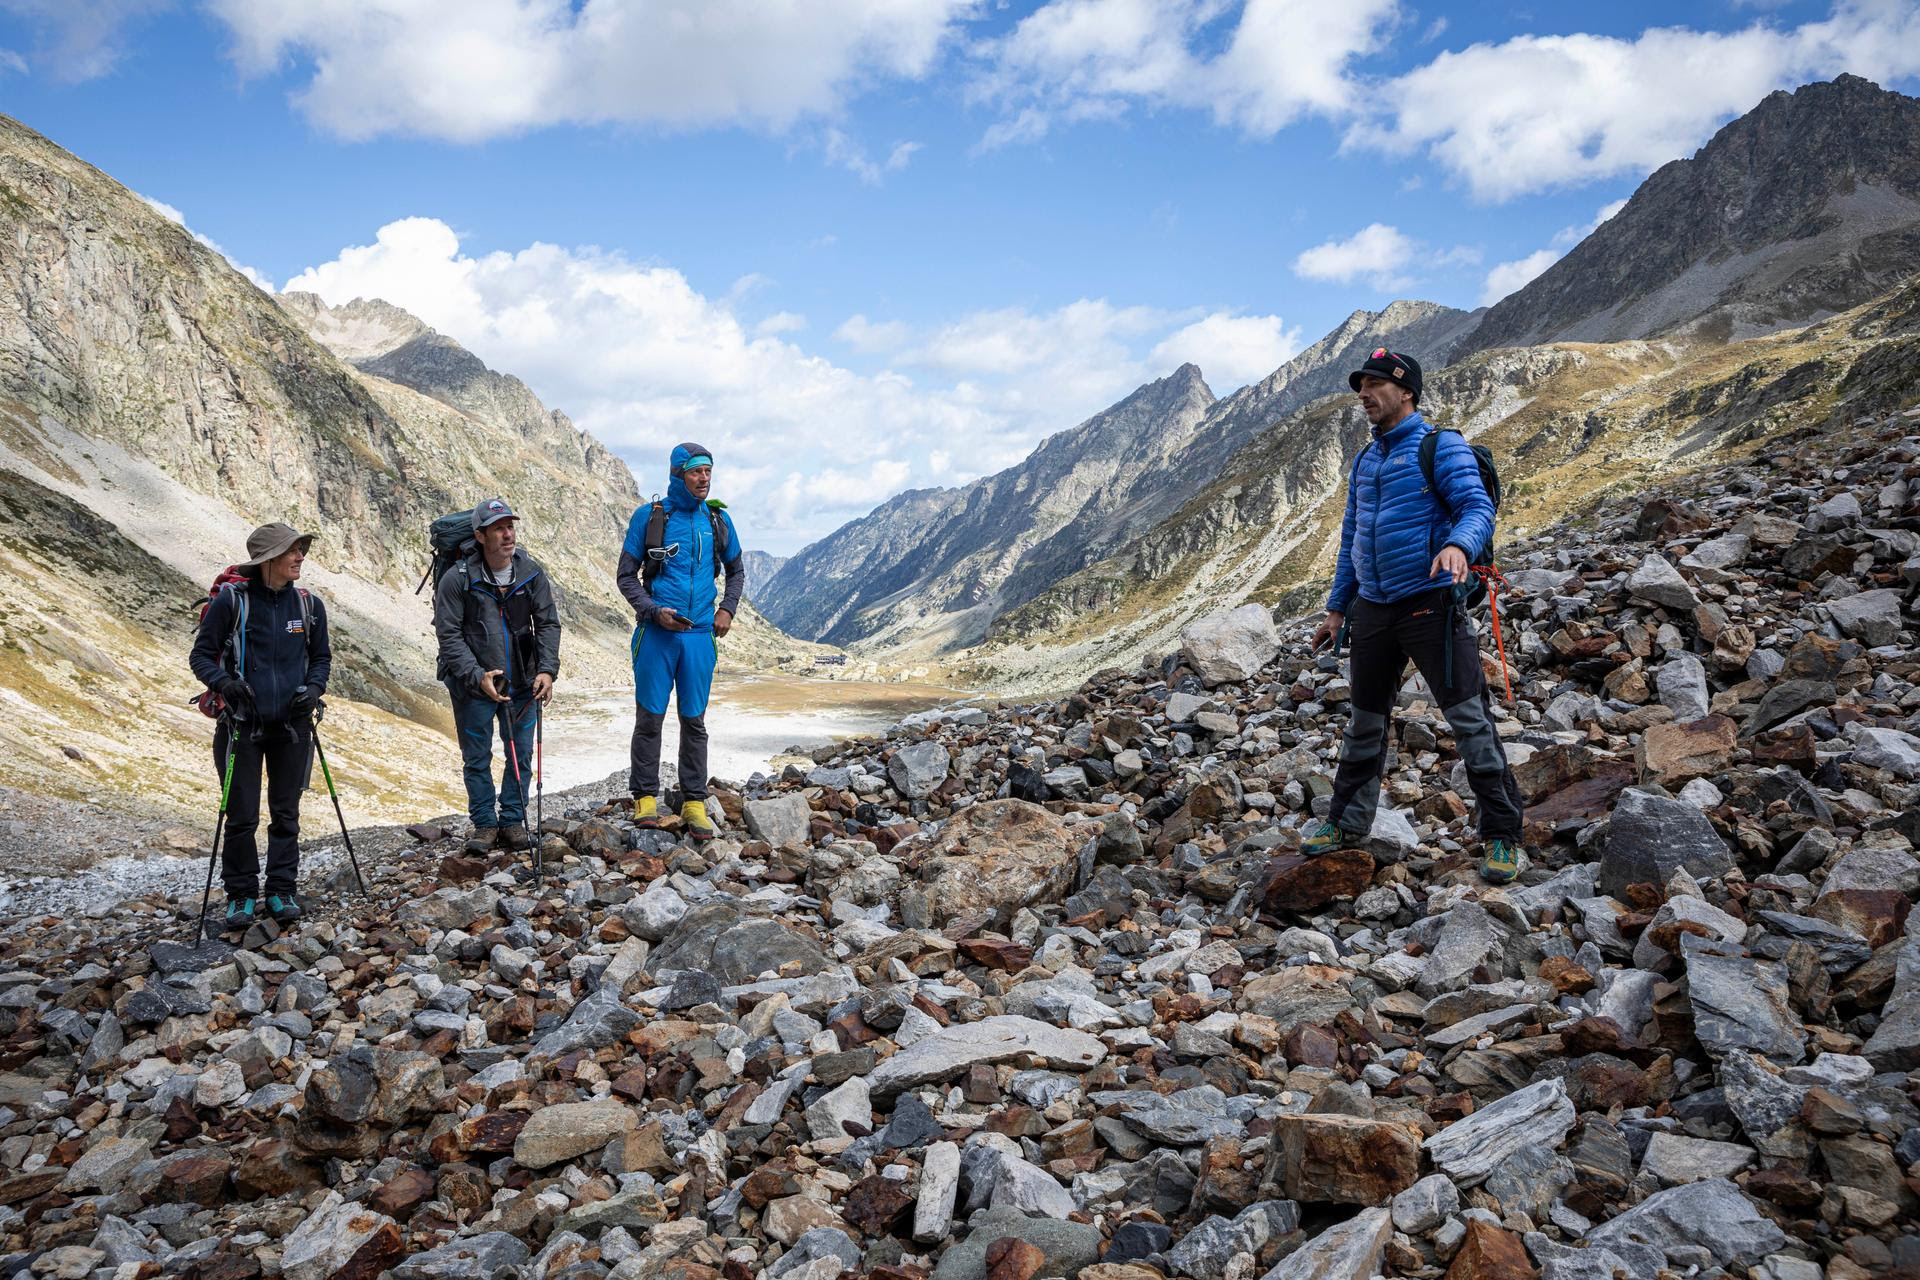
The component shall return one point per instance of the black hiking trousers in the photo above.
(283, 750)
(643, 755)
(1382, 637)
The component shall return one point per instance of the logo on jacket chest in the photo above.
(295, 627)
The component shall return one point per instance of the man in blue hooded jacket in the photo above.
(674, 551)
(1403, 550)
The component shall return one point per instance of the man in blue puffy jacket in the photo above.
(1403, 551)
(674, 551)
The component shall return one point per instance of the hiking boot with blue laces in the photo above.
(239, 915)
(283, 908)
(1501, 862)
(1328, 837)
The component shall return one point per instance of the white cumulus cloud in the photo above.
(1256, 67)
(1231, 350)
(467, 70)
(640, 357)
(77, 39)
(1377, 253)
(1537, 112)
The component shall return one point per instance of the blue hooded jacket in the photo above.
(686, 582)
(1395, 525)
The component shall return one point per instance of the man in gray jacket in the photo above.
(499, 653)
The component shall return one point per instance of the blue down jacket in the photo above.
(1395, 525)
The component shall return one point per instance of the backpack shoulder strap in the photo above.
(721, 546)
(236, 597)
(306, 618)
(1429, 451)
(656, 527)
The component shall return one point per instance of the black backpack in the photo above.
(1475, 588)
(651, 564)
(449, 541)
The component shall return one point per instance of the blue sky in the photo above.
(862, 245)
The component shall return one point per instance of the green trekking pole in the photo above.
(314, 729)
(219, 825)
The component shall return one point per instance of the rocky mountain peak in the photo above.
(359, 330)
(1806, 206)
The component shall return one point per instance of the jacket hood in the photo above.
(679, 497)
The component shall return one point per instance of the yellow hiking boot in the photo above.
(694, 815)
(646, 812)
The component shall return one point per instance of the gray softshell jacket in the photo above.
(513, 629)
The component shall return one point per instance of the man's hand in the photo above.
(543, 688)
(722, 622)
(671, 621)
(487, 686)
(1453, 561)
(1329, 629)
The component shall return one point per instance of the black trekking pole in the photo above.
(539, 794)
(313, 727)
(219, 825)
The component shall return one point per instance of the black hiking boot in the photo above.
(482, 840)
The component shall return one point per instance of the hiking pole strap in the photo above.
(1495, 580)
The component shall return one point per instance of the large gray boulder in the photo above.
(1658, 582)
(779, 820)
(1651, 836)
(1712, 1215)
(1872, 617)
(1231, 646)
(720, 938)
(918, 768)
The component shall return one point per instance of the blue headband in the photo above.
(697, 460)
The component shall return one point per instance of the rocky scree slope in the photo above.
(1806, 206)
(1051, 991)
(1567, 421)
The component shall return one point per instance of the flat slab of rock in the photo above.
(949, 1052)
(570, 1129)
(1350, 1251)
(1711, 1215)
(1739, 1002)
(1537, 1116)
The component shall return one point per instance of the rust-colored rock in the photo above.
(1342, 1159)
(1311, 1046)
(1568, 976)
(1878, 915)
(402, 1194)
(381, 1251)
(1675, 754)
(874, 1204)
(1491, 1253)
(273, 1167)
(997, 953)
(1010, 1258)
(200, 1178)
(1295, 882)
